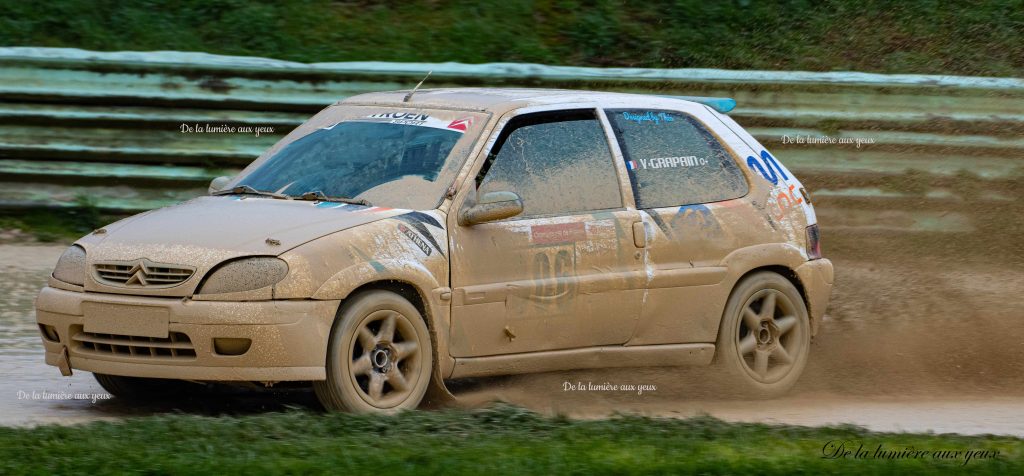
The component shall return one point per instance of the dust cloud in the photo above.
(922, 335)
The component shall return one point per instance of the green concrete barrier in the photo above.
(106, 126)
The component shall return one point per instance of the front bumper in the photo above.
(126, 335)
(817, 277)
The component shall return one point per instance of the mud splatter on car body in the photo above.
(620, 227)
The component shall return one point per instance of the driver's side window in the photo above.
(558, 162)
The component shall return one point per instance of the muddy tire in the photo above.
(379, 357)
(764, 339)
(137, 388)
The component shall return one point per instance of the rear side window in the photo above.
(559, 163)
(674, 160)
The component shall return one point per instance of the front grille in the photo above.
(141, 274)
(176, 346)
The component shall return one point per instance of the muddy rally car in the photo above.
(396, 241)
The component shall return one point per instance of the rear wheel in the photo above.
(764, 339)
(379, 358)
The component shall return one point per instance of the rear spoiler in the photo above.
(722, 105)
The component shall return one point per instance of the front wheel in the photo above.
(764, 339)
(379, 358)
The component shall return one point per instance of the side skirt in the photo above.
(664, 355)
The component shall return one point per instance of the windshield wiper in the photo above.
(318, 196)
(246, 189)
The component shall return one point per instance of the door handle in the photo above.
(639, 234)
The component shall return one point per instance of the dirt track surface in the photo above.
(907, 345)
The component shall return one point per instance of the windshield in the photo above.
(397, 158)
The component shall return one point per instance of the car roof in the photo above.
(500, 100)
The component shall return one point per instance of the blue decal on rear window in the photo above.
(648, 116)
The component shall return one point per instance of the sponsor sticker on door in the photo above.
(558, 233)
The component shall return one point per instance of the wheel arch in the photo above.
(782, 270)
(780, 258)
(406, 289)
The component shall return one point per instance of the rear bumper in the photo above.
(288, 338)
(817, 277)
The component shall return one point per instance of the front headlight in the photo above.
(244, 274)
(71, 266)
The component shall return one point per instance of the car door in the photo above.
(566, 272)
(688, 184)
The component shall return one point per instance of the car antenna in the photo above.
(409, 96)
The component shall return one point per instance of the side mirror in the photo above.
(218, 184)
(492, 206)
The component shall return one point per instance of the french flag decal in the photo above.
(631, 164)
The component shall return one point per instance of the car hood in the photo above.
(204, 231)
